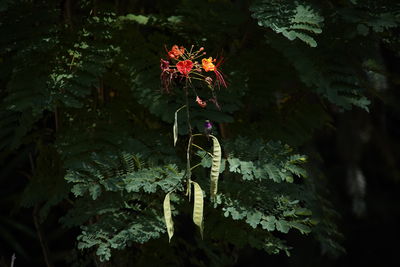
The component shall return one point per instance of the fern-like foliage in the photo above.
(290, 18)
(98, 178)
(84, 62)
(122, 198)
(328, 69)
(336, 80)
(262, 169)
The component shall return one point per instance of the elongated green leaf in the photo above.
(304, 229)
(198, 207)
(168, 217)
(175, 127)
(216, 164)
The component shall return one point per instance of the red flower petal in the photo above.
(184, 67)
(176, 51)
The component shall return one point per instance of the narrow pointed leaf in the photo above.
(216, 165)
(175, 127)
(168, 217)
(198, 207)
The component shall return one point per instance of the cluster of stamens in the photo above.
(183, 65)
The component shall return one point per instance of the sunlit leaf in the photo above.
(168, 217)
(282, 226)
(216, 165)
(304, 229)
(175, 127)
(198, 207)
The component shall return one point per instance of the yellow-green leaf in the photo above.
(168, 217)
(175, 127)
(198, 207)
(216, 165)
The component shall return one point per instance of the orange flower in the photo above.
(176, 51)
(208, 64)
(201, 103)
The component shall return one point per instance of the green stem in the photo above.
(179, 109)
(197, 79)
(188, 150)
(199, 147)
(197, 165)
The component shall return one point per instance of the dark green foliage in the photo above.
(257, 169)
(292, 19)
(81, 102)
(119, 194)
(329, 69)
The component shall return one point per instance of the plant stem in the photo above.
(189, 147)
(13, 260)
(199, 147)
(43, 244)
(197, 165)
(179, 109)
(188, 112)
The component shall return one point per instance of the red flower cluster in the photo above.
(176, 51)
(181, 64)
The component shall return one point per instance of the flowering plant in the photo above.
(182, 65)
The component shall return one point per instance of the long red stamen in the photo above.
(220, 78)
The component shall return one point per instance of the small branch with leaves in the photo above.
(187, 68)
